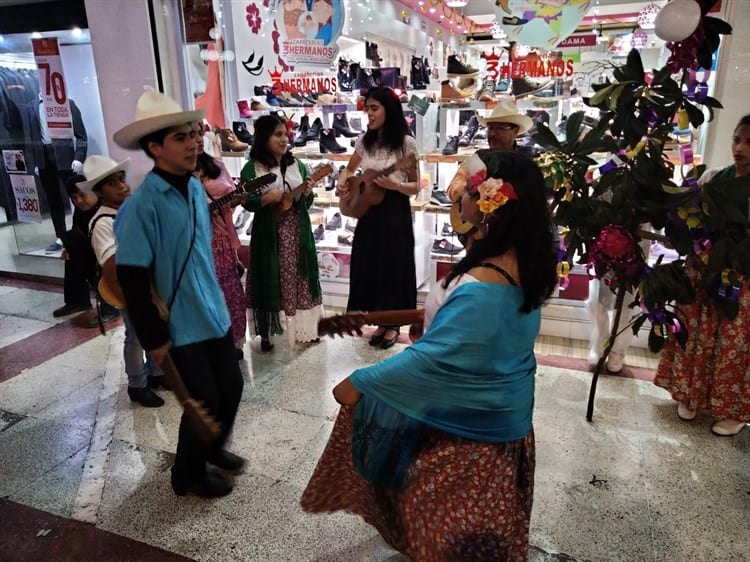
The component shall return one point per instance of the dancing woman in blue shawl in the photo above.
(434, 446)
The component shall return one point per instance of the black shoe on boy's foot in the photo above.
(227, 461)
(212, 485)
(70, 309)
(145, 397)
(157, 381)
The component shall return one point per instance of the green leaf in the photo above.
(705, 53)
(573, 127)
(634, 66)
(716, 25)
(544, 136)
(655, 343)
(712, 102)
(601, 96)
(694, 113)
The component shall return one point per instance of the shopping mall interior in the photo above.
(619, 476)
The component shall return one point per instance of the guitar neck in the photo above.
(221, 201)
(394, 317)
(244, 187)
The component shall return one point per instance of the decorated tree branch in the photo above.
(630, 175)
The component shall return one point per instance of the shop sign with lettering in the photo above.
(52, 87)
(308, 30)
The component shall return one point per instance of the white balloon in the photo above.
(677, 20)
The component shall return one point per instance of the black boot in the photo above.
(471, 129)
(341, 126)
(425, 71)
(328, 142)
(451, 146)
(302, 131)
(417, 80)
(241, 132)
(313, 133)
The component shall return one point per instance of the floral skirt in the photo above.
(713, 371)
(463, 500)
(225, 261)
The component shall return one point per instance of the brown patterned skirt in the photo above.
(463, 500)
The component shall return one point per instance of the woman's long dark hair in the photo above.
(395, 127)
(208, 166)
(259, 152)
(523, 224)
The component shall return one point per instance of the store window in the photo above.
(50, 120)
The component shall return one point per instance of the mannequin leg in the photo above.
(50, 180)
(599, 316)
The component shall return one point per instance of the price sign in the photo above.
(27, 198)
(52, 87)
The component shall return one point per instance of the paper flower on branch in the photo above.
(615, 250)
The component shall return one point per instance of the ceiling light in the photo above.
(77, 31)
(455, 3)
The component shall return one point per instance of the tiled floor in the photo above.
(635, 484)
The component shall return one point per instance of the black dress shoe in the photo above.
(240, 354)
(266, 345)
(227, 461)
(386, 343)
(107, 317)
(157, 381)
(145, 397)
(375, 340)
(212, 485)
(70, 309)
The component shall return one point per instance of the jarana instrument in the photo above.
(363, 193)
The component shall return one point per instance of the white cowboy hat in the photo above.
(154, 112)
(506, 112)
(96, 168)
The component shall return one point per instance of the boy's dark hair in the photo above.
(157, 137)
(70, 184)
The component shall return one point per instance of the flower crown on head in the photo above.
(493, 192)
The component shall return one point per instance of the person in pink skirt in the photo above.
(217, 182)
(434, 446)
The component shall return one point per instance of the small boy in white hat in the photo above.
(106, 178)
(163, 236)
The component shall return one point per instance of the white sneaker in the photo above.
(615, 362)
(727, 428)
(684, 412)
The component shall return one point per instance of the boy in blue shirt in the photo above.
(163, 236)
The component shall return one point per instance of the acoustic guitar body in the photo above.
(364, 193)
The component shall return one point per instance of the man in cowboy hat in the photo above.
(106, 178)
(503, 126)
(164, 236)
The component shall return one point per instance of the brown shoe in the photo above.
(449, 92)
(229, 142)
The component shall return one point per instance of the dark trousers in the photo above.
(80, 267)
(49, 176)
(212, 375)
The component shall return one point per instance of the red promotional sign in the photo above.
(588, 40)
(52, 87)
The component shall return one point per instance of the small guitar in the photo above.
(458, 224)
(316, 176)
(365, 194)
(249, 186)
(352, 323)
(203, 422)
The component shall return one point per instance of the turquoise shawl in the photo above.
(471, 374)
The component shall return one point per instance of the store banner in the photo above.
(27, 197)
(198, 20)
(308, 30)
(52, 87)
(587, 40)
